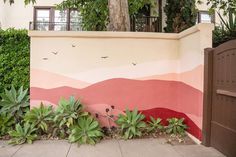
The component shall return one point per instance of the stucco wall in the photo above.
(1, 14)
(160, 74)
(18, 15)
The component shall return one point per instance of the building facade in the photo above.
(42, 14)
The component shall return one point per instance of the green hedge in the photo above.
(14, 58)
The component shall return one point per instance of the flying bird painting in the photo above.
(104, 57)
(55, 53)
(45, 58)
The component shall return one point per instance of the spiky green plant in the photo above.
(87, 131)
(15, 103)
(154, 125)
(226, 31)
(6, 124)
(230, 23)
(176, 126)
(41, 117)
(67, 114)
(23, 134)
(131, 124)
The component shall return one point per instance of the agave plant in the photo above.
(131, 124)
(41, 117)
(176, 126)
(230, 23)
(23, 134)
(15, 103)
(6, 123)
(226, 30)
(67, 114)
(154, 125)
(87, 131)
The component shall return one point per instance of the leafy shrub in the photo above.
(154, 125)
(176, 126)
(226, 10)
(181, 14)
(86, 131)
(6, 124)
(131, 124)
(67, 114)
(15, 103)
(23, 134)
(14, 58)
(40, 117)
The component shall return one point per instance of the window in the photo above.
(75, 21)
(48, 18)
(42, 19)
(60, 20)
(205, 17)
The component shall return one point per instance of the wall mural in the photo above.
(105, 79)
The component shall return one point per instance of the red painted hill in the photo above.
(125, 93)
(164, 114)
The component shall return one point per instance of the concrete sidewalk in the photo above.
(107, 148)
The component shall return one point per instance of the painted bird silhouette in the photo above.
(55, 53)
(45, 58)
(104, 57)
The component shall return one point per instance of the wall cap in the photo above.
(135, 35)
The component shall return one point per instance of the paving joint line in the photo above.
(178, 152)
(68, 151)
(120, 148)
(16, 151)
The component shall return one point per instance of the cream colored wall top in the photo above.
(141, 35)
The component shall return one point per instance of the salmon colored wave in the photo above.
(52, 80)
(188, 77)
(125, 93)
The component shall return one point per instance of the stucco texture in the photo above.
(159, 74)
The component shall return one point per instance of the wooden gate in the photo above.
(219, 109)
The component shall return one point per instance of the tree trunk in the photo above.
(119, 19)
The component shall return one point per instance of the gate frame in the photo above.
(207, 96)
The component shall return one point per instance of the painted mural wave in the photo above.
(48, 81)
(126, 93)
(130, 93)
(187, 77)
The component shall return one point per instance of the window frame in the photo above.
(200, 12)
(52, 16)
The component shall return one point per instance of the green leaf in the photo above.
(86, 131)
(22, 134)
(131, 124)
